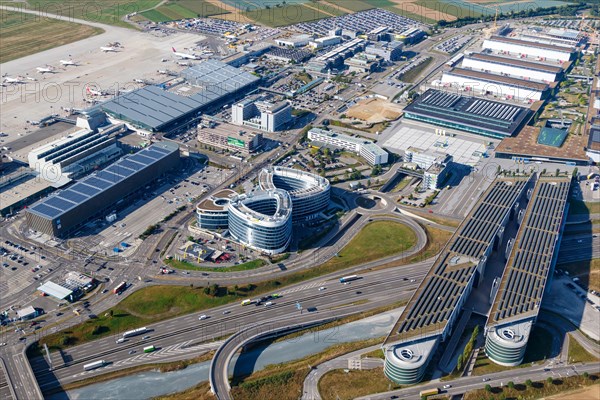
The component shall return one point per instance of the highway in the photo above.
(379, 288)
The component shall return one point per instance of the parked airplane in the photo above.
(17, 80)
(106, 49)
(46, 70)
(94, 92)
(69, 62)
(184, 55)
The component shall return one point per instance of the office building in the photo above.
(262, 220)
(230, 138)
(389, 51)
(371, 152)
(309, 192)
(263, 115)
(425, 158)
(212, 213)
(363, 63)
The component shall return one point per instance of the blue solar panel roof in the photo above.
(90, 186)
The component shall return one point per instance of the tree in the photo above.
(511, 385)
(575, 172)
(549, 380)
(459, 363)
(488, 388)
(586, 375)
(557, 172)
(529, 383)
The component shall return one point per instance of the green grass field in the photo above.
(352, 5)
(338, 384)
(289, 15)
(577, 353)
(25, 34)
(240, 267)
(183, 9)
(448, 8)
(106, 12)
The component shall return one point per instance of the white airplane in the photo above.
(94, 92)
(46, 70)
(106, 49)
(31, 78)
(184, 56)
(69, 62)
(17, 80)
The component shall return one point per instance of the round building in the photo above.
(309, 192)
(262, 220)
(212, 212)
(406, 363)
(506, 345)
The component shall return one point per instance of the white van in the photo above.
(121, 340)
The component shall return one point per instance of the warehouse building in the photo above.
(294, 41)
(389, 51)
(469, 114)
(334, 58)
(262, 220)
(513, 67)
(153, 109)
(309, 192)
(66, 211)
(483, 83)
(261, 114)
(430, 315)
(528, 272)
(374, 154)
(524, 48)
(411, 35)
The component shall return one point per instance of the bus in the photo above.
(429, 392)
(247, 302)
(349, 278)
(94, 365)
(135, 332)
(120, 287)
(149, 349)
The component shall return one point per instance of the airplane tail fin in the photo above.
(173, 48)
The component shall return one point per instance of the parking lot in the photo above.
(20, 268)
(463, 151)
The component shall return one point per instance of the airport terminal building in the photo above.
(64, 212)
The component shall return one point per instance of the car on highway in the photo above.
(131, 351)
(485, 379)
(104, 291)
(202, 317)
(358, 292)
(226, 312)
(447, 386)
(268, 303)
(2, 344)
(146, 337)
(322, 288)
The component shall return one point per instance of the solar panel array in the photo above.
(54, 206)
(525, 277)
(442, 289)
(470, 111)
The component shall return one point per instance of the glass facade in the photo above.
(455, 125)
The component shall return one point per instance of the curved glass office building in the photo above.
(262, 220)
(506, 345)
(309, 192)
(212, 213)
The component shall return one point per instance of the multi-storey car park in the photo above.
(470, 114)
(309, 192)
(212, 213)
(525, 278)
(262, 220)
(431, 313)
(96, 195)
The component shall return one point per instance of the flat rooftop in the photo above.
(437, 297)
(594, 140)
(493, 116)
(517, 62)
(82, 191)
(217, 202)
(526, 145)
(504, 39)
(524, 280)
(506, 80)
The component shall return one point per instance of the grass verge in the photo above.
(374, 354)
(536, 390)
(284, 381)
(577, 353)
(240, 267)
(339, 384)
(24, 34)
(538, 349)
(198, 392)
